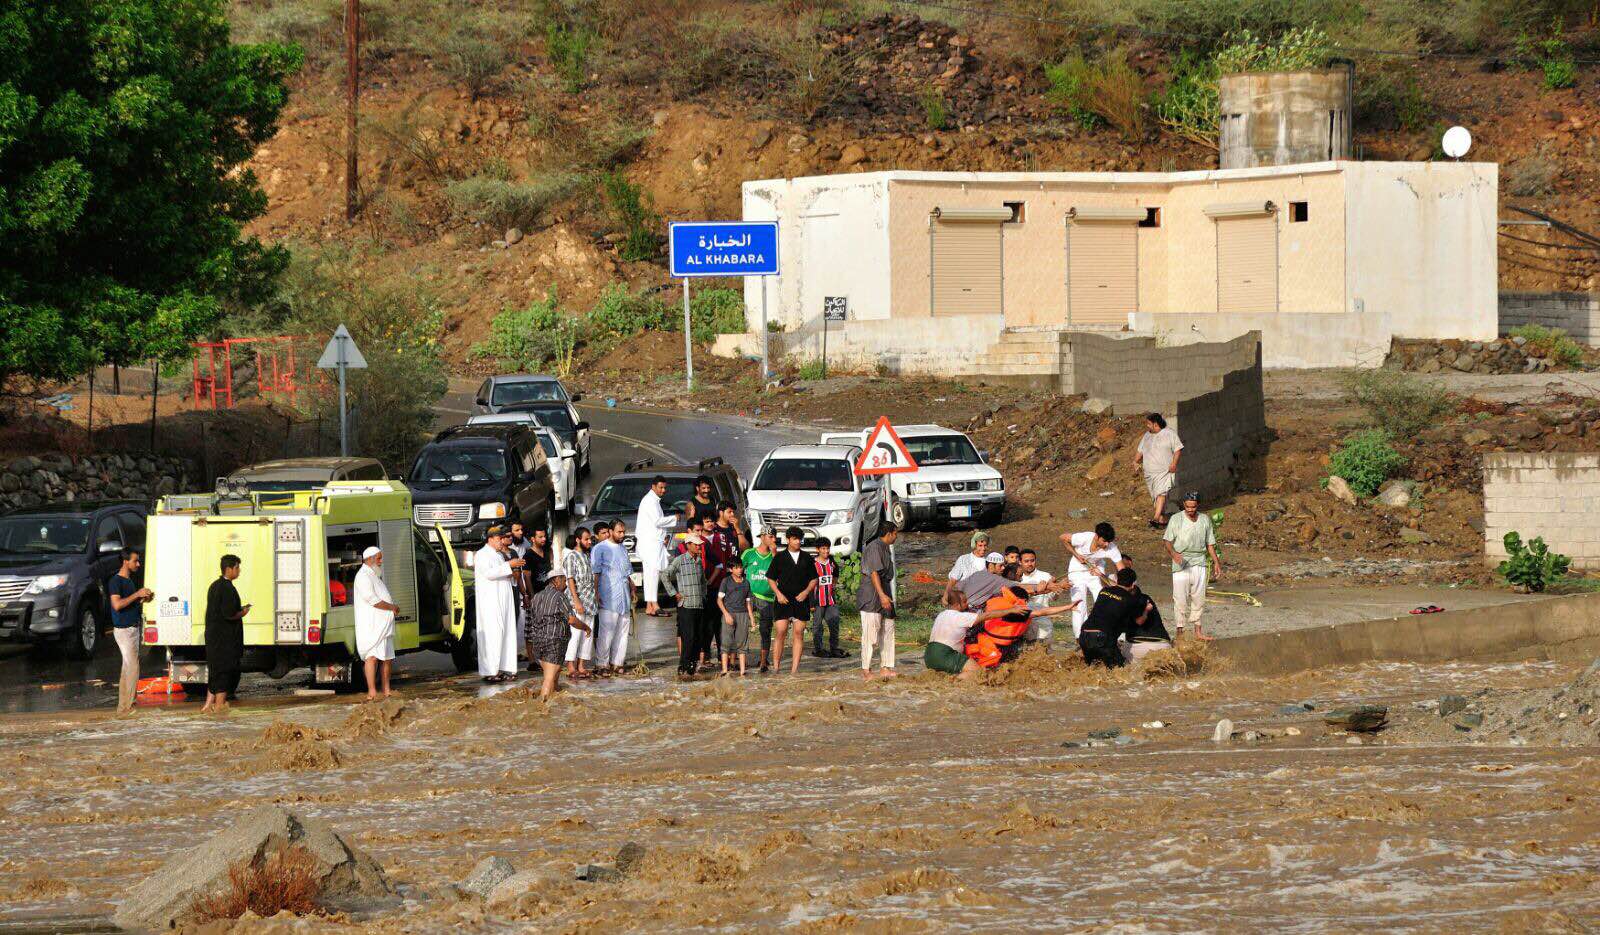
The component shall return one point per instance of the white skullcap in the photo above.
(371, 551)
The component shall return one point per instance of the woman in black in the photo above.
(224, 636)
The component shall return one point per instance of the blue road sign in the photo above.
(724, 248)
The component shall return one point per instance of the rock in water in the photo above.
(1450, 704)
(488, 874)
(1360, 719)
(164, 899)
(1224, 731)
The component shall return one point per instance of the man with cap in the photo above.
(550, 621)
(982, 585)
(685, 580)
(374, 609)
(968, 563)
(1191, 540)
(496, 608)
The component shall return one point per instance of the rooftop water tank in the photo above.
(1278, 118)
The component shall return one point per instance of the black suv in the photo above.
(471, 477)
(619, 496)
(54, 565)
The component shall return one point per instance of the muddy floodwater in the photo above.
(820, 804)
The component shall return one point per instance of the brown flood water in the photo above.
(822, 804)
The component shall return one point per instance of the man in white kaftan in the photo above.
(374, 610)
(496, 609)
(650, 528)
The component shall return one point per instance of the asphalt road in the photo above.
(44, 680)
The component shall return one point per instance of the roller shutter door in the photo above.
(1102, 271)
(1247, 264)
(967, 269)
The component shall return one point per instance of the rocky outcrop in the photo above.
(52, 478)
(1507, 355)
(165, 899)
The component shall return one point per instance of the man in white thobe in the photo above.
(375, 610)
(1090, 551)
(650, 528)
(496, 608)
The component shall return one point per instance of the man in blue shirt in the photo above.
(614, 592)
(126, 598)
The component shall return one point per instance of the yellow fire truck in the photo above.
(299, 553)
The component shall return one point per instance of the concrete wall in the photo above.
(1422, 246)
(1554, 628)
(1576, 313)
(943, 346)
(1287, 340)
(1553, 495)
(1211, 395)
(1284, 117)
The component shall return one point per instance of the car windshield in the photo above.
(507, 394)
(804, 474)
(942, 449)
(622, 494)
(474, 467)
(52, 535)
(548, 443)
(557, 418)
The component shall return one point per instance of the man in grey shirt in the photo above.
(979, 586)
(875, 600)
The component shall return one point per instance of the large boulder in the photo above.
(164, 900)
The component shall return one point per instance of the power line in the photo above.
(1166, 34)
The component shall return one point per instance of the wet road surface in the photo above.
(44, 679)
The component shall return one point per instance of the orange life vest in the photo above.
(997, 640)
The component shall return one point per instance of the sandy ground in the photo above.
(821, 804)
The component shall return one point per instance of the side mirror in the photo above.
(870, 485)
(577, 397)
(569, 452)
(582, 426)
(983, 455)
(106, 548)
(579, 510)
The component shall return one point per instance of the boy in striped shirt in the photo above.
(827, 609)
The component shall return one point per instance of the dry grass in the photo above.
(286, 880)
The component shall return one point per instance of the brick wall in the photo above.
(1576, 313)
(1553, 495)
(1210, 393)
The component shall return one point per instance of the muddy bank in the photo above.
(820, 803)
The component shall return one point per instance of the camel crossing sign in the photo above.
(884, 452)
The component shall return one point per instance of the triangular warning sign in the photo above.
(884, 452)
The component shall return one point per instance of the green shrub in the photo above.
(1297, 49)
(1398, 403)
(316, 26)
(529, 338)
(1558, 73)
(1388, 95)
(934, 111)
(810, 76)
(631, 209)
(499, 203)
(812, 370)
(1107, 90)
(847, 574)
(473, 52)
(619, 313)
(1532, 567)
(1188, 107)
(716, 311)
(568, 44)
(1365, 460)
(1071, 80)
(1549, 342)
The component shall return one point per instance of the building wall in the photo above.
(1283, 117)
(1423, 249)
(1211, 395)
(1553, 495)
(1576, 313)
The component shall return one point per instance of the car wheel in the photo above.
(900, 514)
(464, 652)
(85, 637)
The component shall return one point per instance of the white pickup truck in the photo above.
(952, 480)
(815, 488)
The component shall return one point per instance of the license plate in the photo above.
(174, 609)
(433, 535)
(960, 512)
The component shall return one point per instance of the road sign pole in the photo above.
(824, 344)
(344, 435)
(688, 340)
(766, 365)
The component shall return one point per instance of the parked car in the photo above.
(496, 393)
(572, 428)
(619, 496)
(815, 487)
(953, 480)
(562, 457)
(471, 477)
(55, 562)
(288, 474)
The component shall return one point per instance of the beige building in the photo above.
(1327, 260)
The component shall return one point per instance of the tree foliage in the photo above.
(124, 125)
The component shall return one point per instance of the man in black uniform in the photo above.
(1113, 614)
(224, 636)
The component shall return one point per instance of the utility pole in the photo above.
(352, 56)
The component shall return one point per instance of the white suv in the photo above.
(815, 488)
(952, 480)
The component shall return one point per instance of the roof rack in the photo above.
(632, 466)
(714, 461)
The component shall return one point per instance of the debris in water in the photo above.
(1361, 718)
(1223, 732)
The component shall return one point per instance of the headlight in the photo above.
(840, 516)
(492, 511)
(45, 583)
(990, 485)
(923, 488)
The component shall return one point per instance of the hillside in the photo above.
(574, 131)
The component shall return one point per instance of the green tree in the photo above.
(124, 126)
